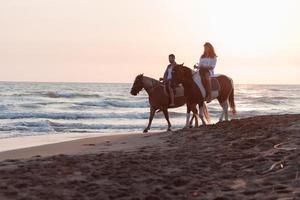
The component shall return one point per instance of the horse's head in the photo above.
(180, 73)
(137, 85)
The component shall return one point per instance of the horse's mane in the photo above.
(153, 79)
(147, 77)
(187, 71)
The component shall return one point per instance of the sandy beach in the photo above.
(252, 158)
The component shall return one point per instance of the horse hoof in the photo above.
(169, 129)
(145, 131)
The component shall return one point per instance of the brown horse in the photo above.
(158, 97)
(184, 75)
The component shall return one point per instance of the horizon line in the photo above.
(93, 82)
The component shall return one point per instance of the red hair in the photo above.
(211, 51)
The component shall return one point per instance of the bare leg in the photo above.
(152, 112)
(167, 118)
(171, 96)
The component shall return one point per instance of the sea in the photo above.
(29, 109)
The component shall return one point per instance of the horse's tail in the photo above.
(231, 101)
(206, 113)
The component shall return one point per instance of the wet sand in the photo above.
(253, 158)
(7, 144)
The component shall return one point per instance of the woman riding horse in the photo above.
(194, 97)
(206, 66)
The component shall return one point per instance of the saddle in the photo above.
(178, 91)
(200, 81)
(215, 87)
(214, 84)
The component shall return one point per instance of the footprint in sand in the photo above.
(89, 144)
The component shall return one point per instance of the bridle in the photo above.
(137, 87)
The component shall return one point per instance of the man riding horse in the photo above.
(167, 79)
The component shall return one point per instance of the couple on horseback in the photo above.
(192, 90)
(205, 68)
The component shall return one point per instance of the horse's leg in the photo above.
(224, 105)
(167, 118)
(188, 115)
(152, 112)
(226, 110)
(222, 114)
(191, 122)
(195, 113)
(201, 114)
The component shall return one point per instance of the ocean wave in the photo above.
(38, 108)
(51, 94)
(70, 95)
(30, 105)
(115, 103)
(83, 126)
(74, 116)
(3, 107)
(48, 126)
(269, 100)
(41, 126)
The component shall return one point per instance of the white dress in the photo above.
(208, 62)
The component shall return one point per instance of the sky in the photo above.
(257, 41)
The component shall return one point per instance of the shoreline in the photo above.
(21, 142)
(73, 144)
(26, 147)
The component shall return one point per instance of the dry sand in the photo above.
(254, 158)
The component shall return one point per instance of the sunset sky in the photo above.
(257, 41)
